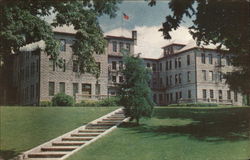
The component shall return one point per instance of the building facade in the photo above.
(184, 74)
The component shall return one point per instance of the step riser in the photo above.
(84, 135)
(76, 139)
(45, 156)
(57, 149)
(93, 131)
(67, 144)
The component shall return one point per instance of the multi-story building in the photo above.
(185, 73)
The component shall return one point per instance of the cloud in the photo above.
(150, 40)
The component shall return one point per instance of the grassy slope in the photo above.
(178, 134)
(23, 128)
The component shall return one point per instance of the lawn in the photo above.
(220, 133)
(22, 128)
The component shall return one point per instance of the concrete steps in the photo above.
(63, 146)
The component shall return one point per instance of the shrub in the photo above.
(61, 99)
(194, 105)
(111, 101)
(87, 103)
(45, 103)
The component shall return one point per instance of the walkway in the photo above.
(63, 146)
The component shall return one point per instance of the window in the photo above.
(166, 65)
(228, 94)
(160, 97)
(120, 79)
(120, 65)
(37, 65)
(235, 96)
(113, 65)
(154, 67)
(63, 45)
(176, 63)
(114, 79)
(189, 94)
(114, 46)
(37, 90)
(180, 78)
(26, 93)
(204, 75)
(220, 94)
(220, 76)
(188, 76)
(86, 89)
(75, 88)
(51, 88)
(167, 98)
(62, 87)
(75, 66)
(155, 98)
(121, 45)
(161, 81)
(52, 64)
(148, 65)
(170, 80)
(204, 93)
(228, 61)
(211, 76)
(219, 60)
(27, 72)
(171, 97)
(32, 92)
(176, 79)
(179, 62)
(32, 69)
(211, 93)
(210, 56)
(166, 80)
(128, 47)
(176, 96)
(160, 66)
(170, 64)
(188, 59)
(180, 95)
(203, 58)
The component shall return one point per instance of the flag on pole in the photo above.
(125, 16)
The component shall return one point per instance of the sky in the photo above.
(147, 21)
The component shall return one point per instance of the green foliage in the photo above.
(194, 105)
(45, 103)
(61, 99)
(224, 22)
(111, 101)
(134, 92)
(22, 22)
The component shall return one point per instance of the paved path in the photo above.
(63, 146)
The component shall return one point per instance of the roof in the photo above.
(172, 44)
(65, 29)
(33, 46)
(119, 37)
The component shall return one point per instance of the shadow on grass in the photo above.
(211, 125)
(8, 154)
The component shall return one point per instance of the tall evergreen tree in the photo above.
(135, 91)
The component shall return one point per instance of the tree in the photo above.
(22, 22)
(135, 92)
(223, 22)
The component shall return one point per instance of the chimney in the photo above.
(134, 36)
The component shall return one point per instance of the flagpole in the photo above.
(122, 25)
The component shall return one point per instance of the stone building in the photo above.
(184, 73)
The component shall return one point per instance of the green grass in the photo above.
(178, 134)
(22, 128)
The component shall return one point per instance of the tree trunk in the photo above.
(137, 121)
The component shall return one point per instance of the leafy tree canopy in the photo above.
(224, 22)
(135, 91)
(22, 22)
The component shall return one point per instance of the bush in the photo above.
(61, 99)
(112, 101)
(45, 103)
(87, 103)
(194, 105)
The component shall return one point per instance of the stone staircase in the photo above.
(63, 146)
